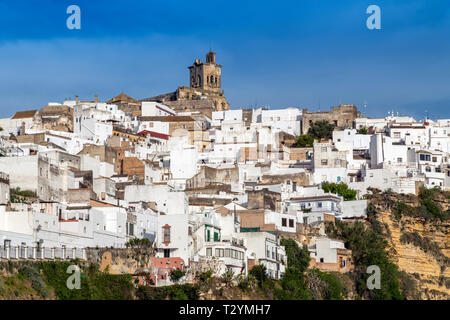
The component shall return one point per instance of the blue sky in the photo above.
(309, 54)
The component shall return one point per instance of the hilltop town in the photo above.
(210, 187)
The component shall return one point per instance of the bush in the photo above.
(297, 257)
(341, 189)
(362, 130)
(327, 285)
(304, 141)
(321, 129)
(176, 274)
(33, 275)
(293, 286)
(408, 286)
(95, 285)
(259, 272)
(368, 248)
(228, 277)
(174, 292)
(244, 283)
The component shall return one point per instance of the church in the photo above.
(204, 93)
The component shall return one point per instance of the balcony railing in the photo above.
(41, 253)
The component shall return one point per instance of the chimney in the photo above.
(96, 98)
(76, 100)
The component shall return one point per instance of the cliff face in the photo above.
(419, 246)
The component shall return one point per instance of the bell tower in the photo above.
(207, 75)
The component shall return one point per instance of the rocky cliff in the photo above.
(417, 230)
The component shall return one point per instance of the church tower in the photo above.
(207, 75)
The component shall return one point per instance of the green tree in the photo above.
(141, 251)
(321, 129)
(176, 274)
(304, 141)
(294, 286)
(368, 248)
(341, 189)
(259, 272)
(297, 258)
(362, 130)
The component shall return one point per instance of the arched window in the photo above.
(427, 169)
(199, 81)
(212, 81)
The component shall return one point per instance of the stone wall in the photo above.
(212, 176)
(342, 116)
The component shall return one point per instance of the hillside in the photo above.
(417, 231)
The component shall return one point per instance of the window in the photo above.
(396, 135)
(324, 149)
(321, 259)
(319, 204)
(166, 234)
(208, 252)
(337, 162)
(219, 252)
(283, 222)
(399, 160)
(324, 162)
(425, 157)
(428, 169)
(434, 159)
(291, 223)
(130, 229)
(227, 253)
(294, 186)
(166, 253)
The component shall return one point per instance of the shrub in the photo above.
(341, 189)
(174, 292)
(304, 141)
(321, 129)
(327, 285)
(362, 130)
(260, 273)
(33, 275)
(228, 277)
(368, 248)
(293, 286)
(176, 274)
(297, 257)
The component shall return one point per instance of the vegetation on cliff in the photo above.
(368, 248)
